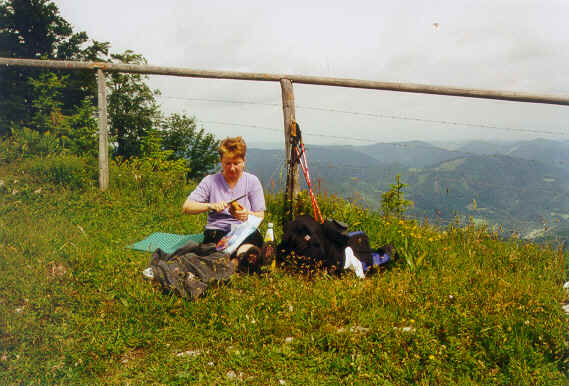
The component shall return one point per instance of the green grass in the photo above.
(459, 306)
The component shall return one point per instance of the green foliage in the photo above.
(199, 148)
(63, 105)
(75, 309)
(132, 107)
(25, 143)
(393, 202)
(82, 138)
(47, 103)
(33, 30)
(77, 131)
(69, 171)
(154, 175)
(74, 134)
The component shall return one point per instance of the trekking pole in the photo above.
(301, 156)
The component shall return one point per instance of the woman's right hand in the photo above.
(217, 206)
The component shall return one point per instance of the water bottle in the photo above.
(269, 246)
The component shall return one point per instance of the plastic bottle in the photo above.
(269, 246)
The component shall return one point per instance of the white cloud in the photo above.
(512, 45)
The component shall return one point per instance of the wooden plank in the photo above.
(103, 132)
(292, 183)
(317, 80)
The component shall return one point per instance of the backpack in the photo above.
(308, 244)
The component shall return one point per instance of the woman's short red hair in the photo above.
(232, 147)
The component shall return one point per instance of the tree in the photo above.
(76, 131)
(46, 103)
(133, 110)
(199, 148)
(33, 29)
(393, 202)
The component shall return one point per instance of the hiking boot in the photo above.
(250, 261)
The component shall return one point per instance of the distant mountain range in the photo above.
(519, 185)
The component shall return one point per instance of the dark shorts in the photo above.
(214, 235)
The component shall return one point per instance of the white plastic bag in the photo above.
(353, 263)
(229, 243)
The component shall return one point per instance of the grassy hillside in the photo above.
(459, 306)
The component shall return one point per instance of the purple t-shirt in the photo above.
(214, 188)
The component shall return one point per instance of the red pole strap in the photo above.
(304, 166)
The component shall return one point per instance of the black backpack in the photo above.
(308, 244)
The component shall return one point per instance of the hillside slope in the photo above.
(516, 192)
(457, 306)
(499, 188)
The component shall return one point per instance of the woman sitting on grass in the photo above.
(215, 191)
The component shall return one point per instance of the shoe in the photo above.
(250, 261)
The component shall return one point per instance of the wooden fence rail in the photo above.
(286, 81)
(317, 80)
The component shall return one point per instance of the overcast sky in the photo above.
(518, 45)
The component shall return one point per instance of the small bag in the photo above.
(379, 257)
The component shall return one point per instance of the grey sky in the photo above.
(519, 45)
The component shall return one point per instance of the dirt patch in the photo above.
(132, 355)
(55, 270)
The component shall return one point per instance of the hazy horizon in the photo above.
(448, 145)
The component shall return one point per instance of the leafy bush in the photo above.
(153, 176)
(393, 202)
(25, 143)
(66, 170)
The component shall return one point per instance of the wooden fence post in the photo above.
(292, 186)
(103, 133)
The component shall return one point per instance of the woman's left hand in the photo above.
(238, 211)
